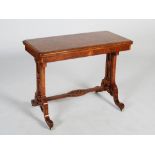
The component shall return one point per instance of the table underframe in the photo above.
(108, 84)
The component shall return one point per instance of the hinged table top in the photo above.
(75, 41)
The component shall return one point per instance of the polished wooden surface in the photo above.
(77, 45)
(75, 41)
(58, 48)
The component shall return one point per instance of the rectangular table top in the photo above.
(97, 41)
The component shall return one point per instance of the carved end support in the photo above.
(114, 91)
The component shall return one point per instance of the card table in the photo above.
(58, 48)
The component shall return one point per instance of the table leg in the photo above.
(108, 83)
(40, 95)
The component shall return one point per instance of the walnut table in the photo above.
(65, 47)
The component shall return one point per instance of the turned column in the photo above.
(40, 95)
(109, 83)
(114, 89)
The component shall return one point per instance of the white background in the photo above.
(81, 9)
(89, 114)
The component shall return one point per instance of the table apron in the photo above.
(58, 56)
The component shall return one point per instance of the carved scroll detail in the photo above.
(74, 93)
